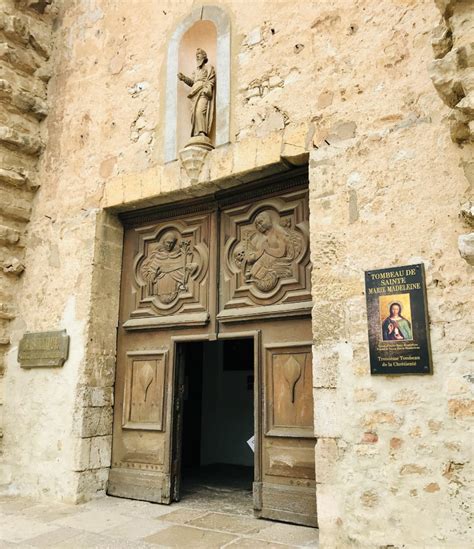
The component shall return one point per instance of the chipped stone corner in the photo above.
(452, 71)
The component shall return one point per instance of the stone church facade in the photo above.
(372, 105)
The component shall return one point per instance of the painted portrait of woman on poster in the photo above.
(396, 327)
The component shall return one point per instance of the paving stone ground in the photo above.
(121, 523)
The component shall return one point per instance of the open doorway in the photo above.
(217, 462)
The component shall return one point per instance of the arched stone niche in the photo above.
(207, 27)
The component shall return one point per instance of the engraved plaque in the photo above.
(43, 349)
(397, 315)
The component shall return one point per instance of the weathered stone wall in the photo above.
(452, 71)
(25, 44)
(346, 84)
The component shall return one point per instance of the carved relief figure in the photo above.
(266, 254)
(168, 268)
(202, 83)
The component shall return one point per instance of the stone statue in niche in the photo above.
(202, 96)
(168, 268)
(202, 84)
(266, 255)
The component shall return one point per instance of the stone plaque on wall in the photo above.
(397, 317)
(43, 349)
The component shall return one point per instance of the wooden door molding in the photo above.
(265, 258)
(288, 461)
(142, 415)
(144, 392)
(289, 390)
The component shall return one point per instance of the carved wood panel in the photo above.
(144, 391)
(170, 271)
(289, 391)
(265, 253)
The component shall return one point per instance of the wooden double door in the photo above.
(235, 266)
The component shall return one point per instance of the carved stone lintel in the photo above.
(193, 156)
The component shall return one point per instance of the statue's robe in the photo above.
(164, 272)
(203, 98)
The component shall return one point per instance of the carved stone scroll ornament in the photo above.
(267, 252)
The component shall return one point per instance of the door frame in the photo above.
(176, 428)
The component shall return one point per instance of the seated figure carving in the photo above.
(266, 255)
(167, 269)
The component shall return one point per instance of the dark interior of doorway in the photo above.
(217, 468)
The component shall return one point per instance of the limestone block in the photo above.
(341, 131)
(5, 89)
(171, 177)
(446, 78)
(16, 210)
(27, 143)
(459, 127)
(466, 105)
(245, 155)
(326, 420)
(295, 146)
(220, 163)
(96, 421)
(445, 6)
(466, 247)
(8, 235)
(325, 368)
(91, 482)
(12, 177)
(150, 182)
(113, 192)
(82, 450)
(461, 408)
(467, 213)
(452, 72)
(268, 149)
(13, 266)
(19, 59)
(40, 39)
(441, 40)
(98, 396)
(30, 104)
(100, 452)
(36, 5)
(326, 458)
(15, 28)
(381, 419)
(131, 188)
